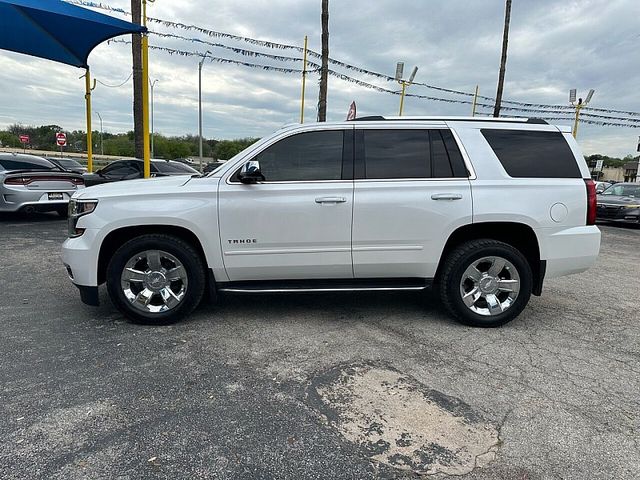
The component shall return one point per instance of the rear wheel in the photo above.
(485, 283)
(156, 279)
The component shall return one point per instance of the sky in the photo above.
(553, 46)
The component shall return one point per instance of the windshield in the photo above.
(68, 163)
(623, 190)
(174, 167)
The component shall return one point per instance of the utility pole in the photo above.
(324, 70)
(151, 85)
(503, 59)
(101, 147)
(136, 50)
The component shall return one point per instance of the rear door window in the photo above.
(533, 154)
(415, 153)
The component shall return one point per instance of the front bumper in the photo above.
(80, 257)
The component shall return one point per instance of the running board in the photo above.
(341, 285)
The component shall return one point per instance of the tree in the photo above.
(136, 50)
(503, 59)
(324, 71)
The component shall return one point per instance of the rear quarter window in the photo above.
(533, 154)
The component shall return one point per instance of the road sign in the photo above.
(61, 139)
(24, 138)
(599, 164)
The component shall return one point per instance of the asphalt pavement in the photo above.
(344, 386)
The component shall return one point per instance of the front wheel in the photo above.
(485, 283)
(156, 279)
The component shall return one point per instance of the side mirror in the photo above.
(250, 172)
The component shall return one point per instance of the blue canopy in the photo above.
(57, 30)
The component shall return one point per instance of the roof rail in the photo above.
(374, 118)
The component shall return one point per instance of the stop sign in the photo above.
(61, 139)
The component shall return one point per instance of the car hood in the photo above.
(618, 200)
(134, 187)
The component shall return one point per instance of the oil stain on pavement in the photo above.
(399, 422)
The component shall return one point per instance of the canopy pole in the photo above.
(145, 95)
(87, 97)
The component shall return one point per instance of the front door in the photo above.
(296, 224)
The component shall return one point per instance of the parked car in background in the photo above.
(34, 184)
(620, 203)
(211, 166)
(602, 186)
(132, 169)
(68, 164)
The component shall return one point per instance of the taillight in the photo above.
(77, 181)
(592, 201)
(15, 181)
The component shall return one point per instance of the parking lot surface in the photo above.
(317, 386)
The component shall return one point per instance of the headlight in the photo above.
(632, 206)
(79, 208)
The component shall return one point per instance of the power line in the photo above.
(347, 78)
(115, 86)
(527, 106)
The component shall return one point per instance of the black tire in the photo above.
(183, 251)
(462, 257)
(63, 211)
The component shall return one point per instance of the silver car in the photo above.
(33, 184)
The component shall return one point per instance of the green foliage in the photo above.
(609, 161)
(122, 144)
(225, 149)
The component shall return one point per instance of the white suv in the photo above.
(481, 209)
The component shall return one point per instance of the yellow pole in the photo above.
(304, 78)
(87, 97)
(145, 95)
(575, 123)
(404, 86)
(475, 101)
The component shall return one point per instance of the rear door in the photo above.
(411, 192)
(297, 223)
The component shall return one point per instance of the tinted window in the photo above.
(439, 157)
(25, 164)
(533, 154)
(397, 154)
(306, 156)
(624, 190)
(455, 157)
(174, 167)
(69, 163)
(119, 169)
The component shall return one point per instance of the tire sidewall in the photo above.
(179, 249)
(498, 250)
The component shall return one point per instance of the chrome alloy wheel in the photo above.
(490, 286)
(154, 281)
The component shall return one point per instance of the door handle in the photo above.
(331, 200)
(446, 196)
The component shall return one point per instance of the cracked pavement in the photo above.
(226, 394)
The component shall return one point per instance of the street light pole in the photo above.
(200, 63)
(579, 105)
(100, 117)
(404, 83)
(152, 84)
